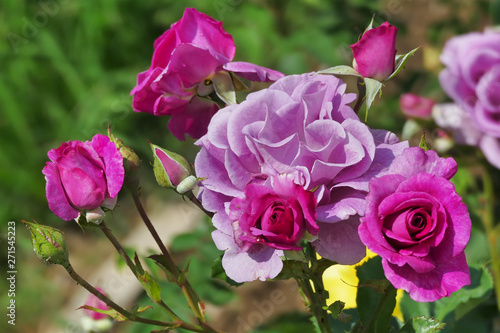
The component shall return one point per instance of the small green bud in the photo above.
(423, 143)
(48, 243)
(131, 162)
(170, 169)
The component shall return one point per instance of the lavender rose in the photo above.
(83, 176)
(419, 225)
(375, 53)
(302, 127)
(472, 77)
(178, 83)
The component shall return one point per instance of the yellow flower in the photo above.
(342, 283)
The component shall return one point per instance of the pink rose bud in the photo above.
(170, 168)
(96, 303)
(416, 106)
(374, 54)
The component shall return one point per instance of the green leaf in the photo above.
(373, 87)
(292, 269)
(401, 61)
(295, 255)
(376, 298)
(151, 286)
(224, 87)
(160, 261)
(336, 310)
(464, 300)
(340, 70)
(112, 313)
(422, 325)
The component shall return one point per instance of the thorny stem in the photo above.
(122, 311)
(192, 298)
(488, 216)
(132, 266)
(315, 298)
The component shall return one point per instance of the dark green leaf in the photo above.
(422, 325)
(376, 298)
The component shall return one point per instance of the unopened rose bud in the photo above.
(374, 55)
(416, 106)
(170, 168)
(131, 162)
(48, 243)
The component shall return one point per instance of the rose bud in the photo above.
(374, 54)
(84, 177)
(416, 106)
(170, 169)
(48, 243)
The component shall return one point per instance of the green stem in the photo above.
(361, 95)
(197, 202)
(133, 268)
(107, 232)
(192, 298)
(130, 316)
(488, 216)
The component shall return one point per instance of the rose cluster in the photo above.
(293, 165)
(302, 129)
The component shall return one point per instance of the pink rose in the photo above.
(419, 225)
(83, 176)
(178, 83)
(277, 217)
(273, 215)
(416, 106)
(374, 54)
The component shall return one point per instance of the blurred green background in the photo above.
(67, 67)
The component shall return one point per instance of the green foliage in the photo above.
(376, 297)
(422, 325)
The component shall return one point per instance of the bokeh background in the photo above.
(66, 70)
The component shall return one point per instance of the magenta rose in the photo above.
(419, 225)
(416, 106)
(301, 126)
(178, 83)
(83, 177)
(276, 215)
(375, 53)
(272, 216)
